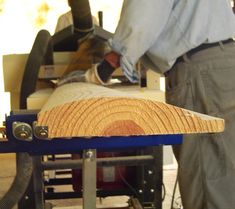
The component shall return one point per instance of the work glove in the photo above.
(90, 76)
(98, 74)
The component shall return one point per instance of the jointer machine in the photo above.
(136, 161)
(97, 166)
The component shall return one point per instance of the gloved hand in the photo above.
(98, 74)
(90, 76)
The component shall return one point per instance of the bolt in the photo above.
(150, 172)
(22, 131)
(43, 133)
(40, 132)
(89, 154)
(23, 135)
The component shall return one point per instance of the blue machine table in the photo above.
(38, 147)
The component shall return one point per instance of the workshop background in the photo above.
(20, 21)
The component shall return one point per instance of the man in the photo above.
(190, 41)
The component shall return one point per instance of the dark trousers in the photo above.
(205, 82)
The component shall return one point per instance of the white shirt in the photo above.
(160, 31)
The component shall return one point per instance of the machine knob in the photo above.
(41, 132)
(22, 131)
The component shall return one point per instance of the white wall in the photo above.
(21, 20)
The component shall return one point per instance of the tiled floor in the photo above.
(7, 173)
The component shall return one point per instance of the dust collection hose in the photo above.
(20, 183)
(39, 54)
(82, 18)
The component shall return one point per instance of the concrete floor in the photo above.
(7, 173)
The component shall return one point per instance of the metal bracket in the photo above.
(89, 179)
(40, 132)
(22, 131)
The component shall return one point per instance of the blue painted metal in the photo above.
(74, 145)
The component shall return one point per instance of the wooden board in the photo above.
(87, 110)
(2, 133)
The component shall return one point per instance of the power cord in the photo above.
(174, 190)
(179, 206)
(127, 183)
(163, 192)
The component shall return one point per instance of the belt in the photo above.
(202, 47)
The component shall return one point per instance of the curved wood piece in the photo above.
(87, 110)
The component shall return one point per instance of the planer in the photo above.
(101, 161)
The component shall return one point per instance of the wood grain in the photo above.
(87, 110)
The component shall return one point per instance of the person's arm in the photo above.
(141, 22)
(110, 62)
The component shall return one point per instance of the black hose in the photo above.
(20, 183)
(41, 52)
(82, 18)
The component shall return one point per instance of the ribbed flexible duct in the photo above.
(82, 21)
(39, 54)
(82, 18)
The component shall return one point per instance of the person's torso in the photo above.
(191, 23)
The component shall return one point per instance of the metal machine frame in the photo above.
(24, 136)
(148, 191)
